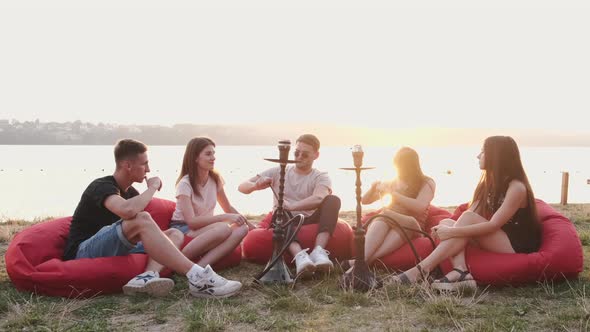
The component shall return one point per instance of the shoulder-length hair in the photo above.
(502, 164)
(407, 164)
(189, 162)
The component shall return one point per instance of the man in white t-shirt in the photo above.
(307, 191)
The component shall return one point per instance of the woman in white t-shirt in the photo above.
(198, 189)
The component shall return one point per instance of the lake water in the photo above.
(39, 181)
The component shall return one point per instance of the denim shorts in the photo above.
(180, 225)
(108, 241)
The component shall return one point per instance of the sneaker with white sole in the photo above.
(209, 284)
(304, 265)
(319, 257)
(150, 283)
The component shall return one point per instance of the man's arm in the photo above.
(309, 203)
(257, 182)
(129, 208)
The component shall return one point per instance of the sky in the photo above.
(370, 64)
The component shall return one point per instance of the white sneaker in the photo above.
(211, 285)
(304, 265)
(320, 258)
(150, 283)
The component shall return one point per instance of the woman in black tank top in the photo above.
(502, 217)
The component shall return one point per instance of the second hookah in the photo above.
(276, 270)
(360, 277)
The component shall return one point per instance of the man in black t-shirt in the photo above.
(110, 221)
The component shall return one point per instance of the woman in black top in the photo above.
(501, 217)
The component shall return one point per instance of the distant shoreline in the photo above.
(85, 133)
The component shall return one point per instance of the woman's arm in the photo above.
(372, 194)
(230, 210)
(419, 205)
(193, 221)
(516, 195)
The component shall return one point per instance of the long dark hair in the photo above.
(502, 164)
(189, 166)
(407, 163)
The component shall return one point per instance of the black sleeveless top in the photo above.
(523, 232)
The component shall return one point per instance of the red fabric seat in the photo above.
(257, 245)
(403, 258)
(559, 257)
(33, 260)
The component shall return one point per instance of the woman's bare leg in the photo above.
(205, 239)
(393, 241)
(227, 246)
(498, 242)
(375, 236)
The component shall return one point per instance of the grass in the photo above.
(310, 305)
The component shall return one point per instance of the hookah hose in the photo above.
(393, 223)
(289, 226)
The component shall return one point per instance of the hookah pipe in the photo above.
(393, 223)
(273, 272)
(360, 277)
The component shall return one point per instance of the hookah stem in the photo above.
(358, 197)
(281, 190)
(274, 192)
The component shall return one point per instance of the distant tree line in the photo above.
(83, 133)
(15, 132)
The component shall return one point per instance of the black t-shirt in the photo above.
(91, 215)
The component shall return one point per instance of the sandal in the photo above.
(463, 282)
(403, 279)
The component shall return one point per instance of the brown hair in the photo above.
(502, 164)
(193, 149)
(128, 148)
(407, 163)
(311, 140)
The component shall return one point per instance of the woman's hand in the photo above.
(382, 187)
(250, 225)
(235, 218)
(240, 220)
(442, 232)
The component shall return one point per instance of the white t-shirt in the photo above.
(203, 205)
(297, 186)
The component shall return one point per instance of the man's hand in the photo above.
(262, 182)
(287, 205)
(154, 183)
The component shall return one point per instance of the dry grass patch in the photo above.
(310, 305)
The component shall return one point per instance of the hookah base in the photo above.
(360, 279)
(278, 274)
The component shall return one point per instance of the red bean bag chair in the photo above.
(404, 258)
(33, 260)
(559, 257)
(257, 245)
